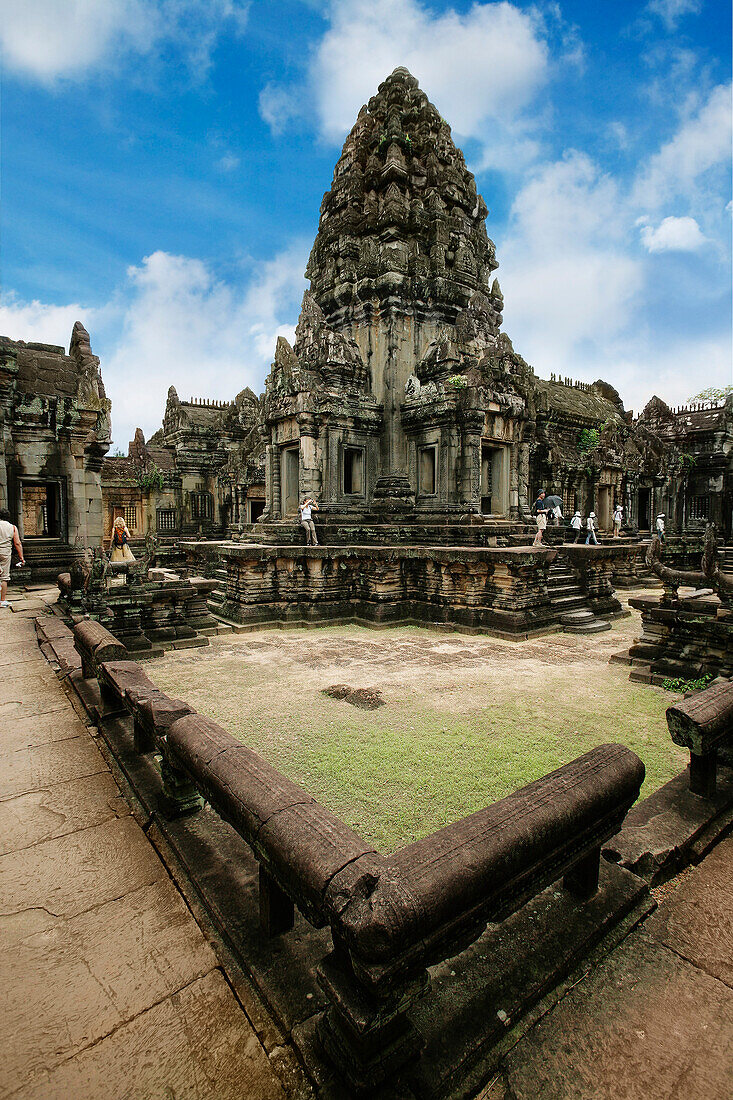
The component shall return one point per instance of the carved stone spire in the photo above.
(402, 228)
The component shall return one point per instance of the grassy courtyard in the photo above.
(466, 720)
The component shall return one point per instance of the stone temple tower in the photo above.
(400, 396)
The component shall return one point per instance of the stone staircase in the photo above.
(726, 563)
(568, 602)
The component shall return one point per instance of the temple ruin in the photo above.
(212, 876)
(55, 432)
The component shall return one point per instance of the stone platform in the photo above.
(499, 590)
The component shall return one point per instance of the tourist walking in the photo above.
(577, 523)
(306, 510)
(541, 516)
(618, 518)
(120, 538)
(9, 538)
(591, 526)
(660, 527)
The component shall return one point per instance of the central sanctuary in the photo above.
(401, 395)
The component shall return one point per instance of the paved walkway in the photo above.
(109, 988)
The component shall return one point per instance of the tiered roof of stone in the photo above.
(403, 225)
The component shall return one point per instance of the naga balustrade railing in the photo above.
(391, 916)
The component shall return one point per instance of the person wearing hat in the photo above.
(660, 527)
(540, 512)
(591, 526)
(618, 518)
(577, 523)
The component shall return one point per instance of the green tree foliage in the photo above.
(712, 393)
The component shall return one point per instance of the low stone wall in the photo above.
(149, 616)
(682, 637)
(504, 591)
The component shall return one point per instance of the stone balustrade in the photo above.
(390, 916)
(703, 723)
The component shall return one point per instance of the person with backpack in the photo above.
(9, 538)
(618, 517)
(591, 526)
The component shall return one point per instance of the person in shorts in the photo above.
(9, 538)
(541, 513)
(306, 510)
(618, 518)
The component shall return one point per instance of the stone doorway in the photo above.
(289, 479)
(494, 480)
(40, 510)
(644, 509)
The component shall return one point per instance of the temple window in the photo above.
(202, 505)
(699, 507)
(166, 519)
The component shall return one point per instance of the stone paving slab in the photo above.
(72, 873)
(42, 766)
(195, 1045)
(31, 818)
(12, 653)
(40, 729)
(64, 987)
(697, 920)
(31, 705)
(644, 1025)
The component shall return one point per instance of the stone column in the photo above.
(274, 467)
(514, 461)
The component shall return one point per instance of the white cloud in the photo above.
(702, 143)
(671, 11)
(45, 40)
(569, 284)
(228, 162)
(36, 322)
(672, 235)
(174, 323)
(278, 106)
(482, 68)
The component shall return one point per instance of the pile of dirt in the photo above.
(366, 698)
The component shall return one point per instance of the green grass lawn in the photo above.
(448, 742)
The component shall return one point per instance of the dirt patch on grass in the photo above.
(364, 698)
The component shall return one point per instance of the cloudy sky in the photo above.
(163, 163)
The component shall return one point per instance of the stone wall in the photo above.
(504, 591)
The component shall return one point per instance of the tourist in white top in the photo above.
(576, 523)
(306, 510)
(9, 538)
(618, 518)
(660, 526)
(590, 523)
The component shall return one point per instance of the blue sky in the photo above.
(163, 162)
